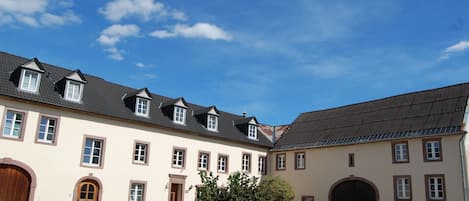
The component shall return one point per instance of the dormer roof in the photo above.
(34, 65)
(142, 93)
(208, 110)
(247, 120)
(76, 76)
(180, 102)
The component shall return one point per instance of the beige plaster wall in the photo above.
(373, 161)
(58, 167)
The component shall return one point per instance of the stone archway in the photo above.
(353, 189)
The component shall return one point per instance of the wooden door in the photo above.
(174, 192)
(88, 191)
(15, 183)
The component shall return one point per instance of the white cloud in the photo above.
(146, 10)
(52, 20)
(140, 65)
(198, 30)
(327, 70)
(149, 76)
(458, 47)
(115, 33)
(114, 53)
(36, 13)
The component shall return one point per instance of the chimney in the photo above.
(244, 114)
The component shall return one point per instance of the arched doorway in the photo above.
(353, 189)
(15, 183)
(88, 189)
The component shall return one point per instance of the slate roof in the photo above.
(106, 98)
(426, 113)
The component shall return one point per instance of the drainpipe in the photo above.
(273, 138)
(462, 152)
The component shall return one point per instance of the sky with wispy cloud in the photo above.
(272, 59)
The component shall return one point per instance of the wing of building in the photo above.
(405, 147)
(67, 135)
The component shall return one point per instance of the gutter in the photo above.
(462, 152)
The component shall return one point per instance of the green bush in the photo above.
(242, 188)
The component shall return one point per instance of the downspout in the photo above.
(462, 152)
(273, 138)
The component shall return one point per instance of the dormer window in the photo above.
(30, 80)
(142, 107)
(73, 91)
(179, 115)
(252, 131)
(212, 122)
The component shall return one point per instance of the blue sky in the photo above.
(272, 59)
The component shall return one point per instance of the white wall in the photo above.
(58, 167)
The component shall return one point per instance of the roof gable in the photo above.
(76, 76)
(34, 65)
(144, 93)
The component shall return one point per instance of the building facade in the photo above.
(406, 147)
(72, 136)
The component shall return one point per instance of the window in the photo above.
(400, 152)
(435, 187)
(307, 198)
(281, 161)
(204, 161)
(140, 153)
(178, 157)
(402, 188)
(30, 80)
(351, 160)
(13, 124)
(179, 115)
(137, 191)
(142, 107)
(246, 163)
(262, 165)
(47, 130)
(212, 123)
(432, 149)
(222, 166)
(300, 160)
(252, 132)
(73, 91)
(93, 152)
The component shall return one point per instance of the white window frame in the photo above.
(403, 188)
(432, 151)
(212, 122)
(179, 116)
(137, 192)
(46, 127)
(140, 153)
(91, 154)
(433, 184)
(246, 162)
(222, 165)
(261, 165)
(23, 80)
(300, 160)
(281, 161)
(178, 158)
(204, 160)
(401, 151)
(70, 95)
(252, 131)
(10, 133)
(142, 107)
